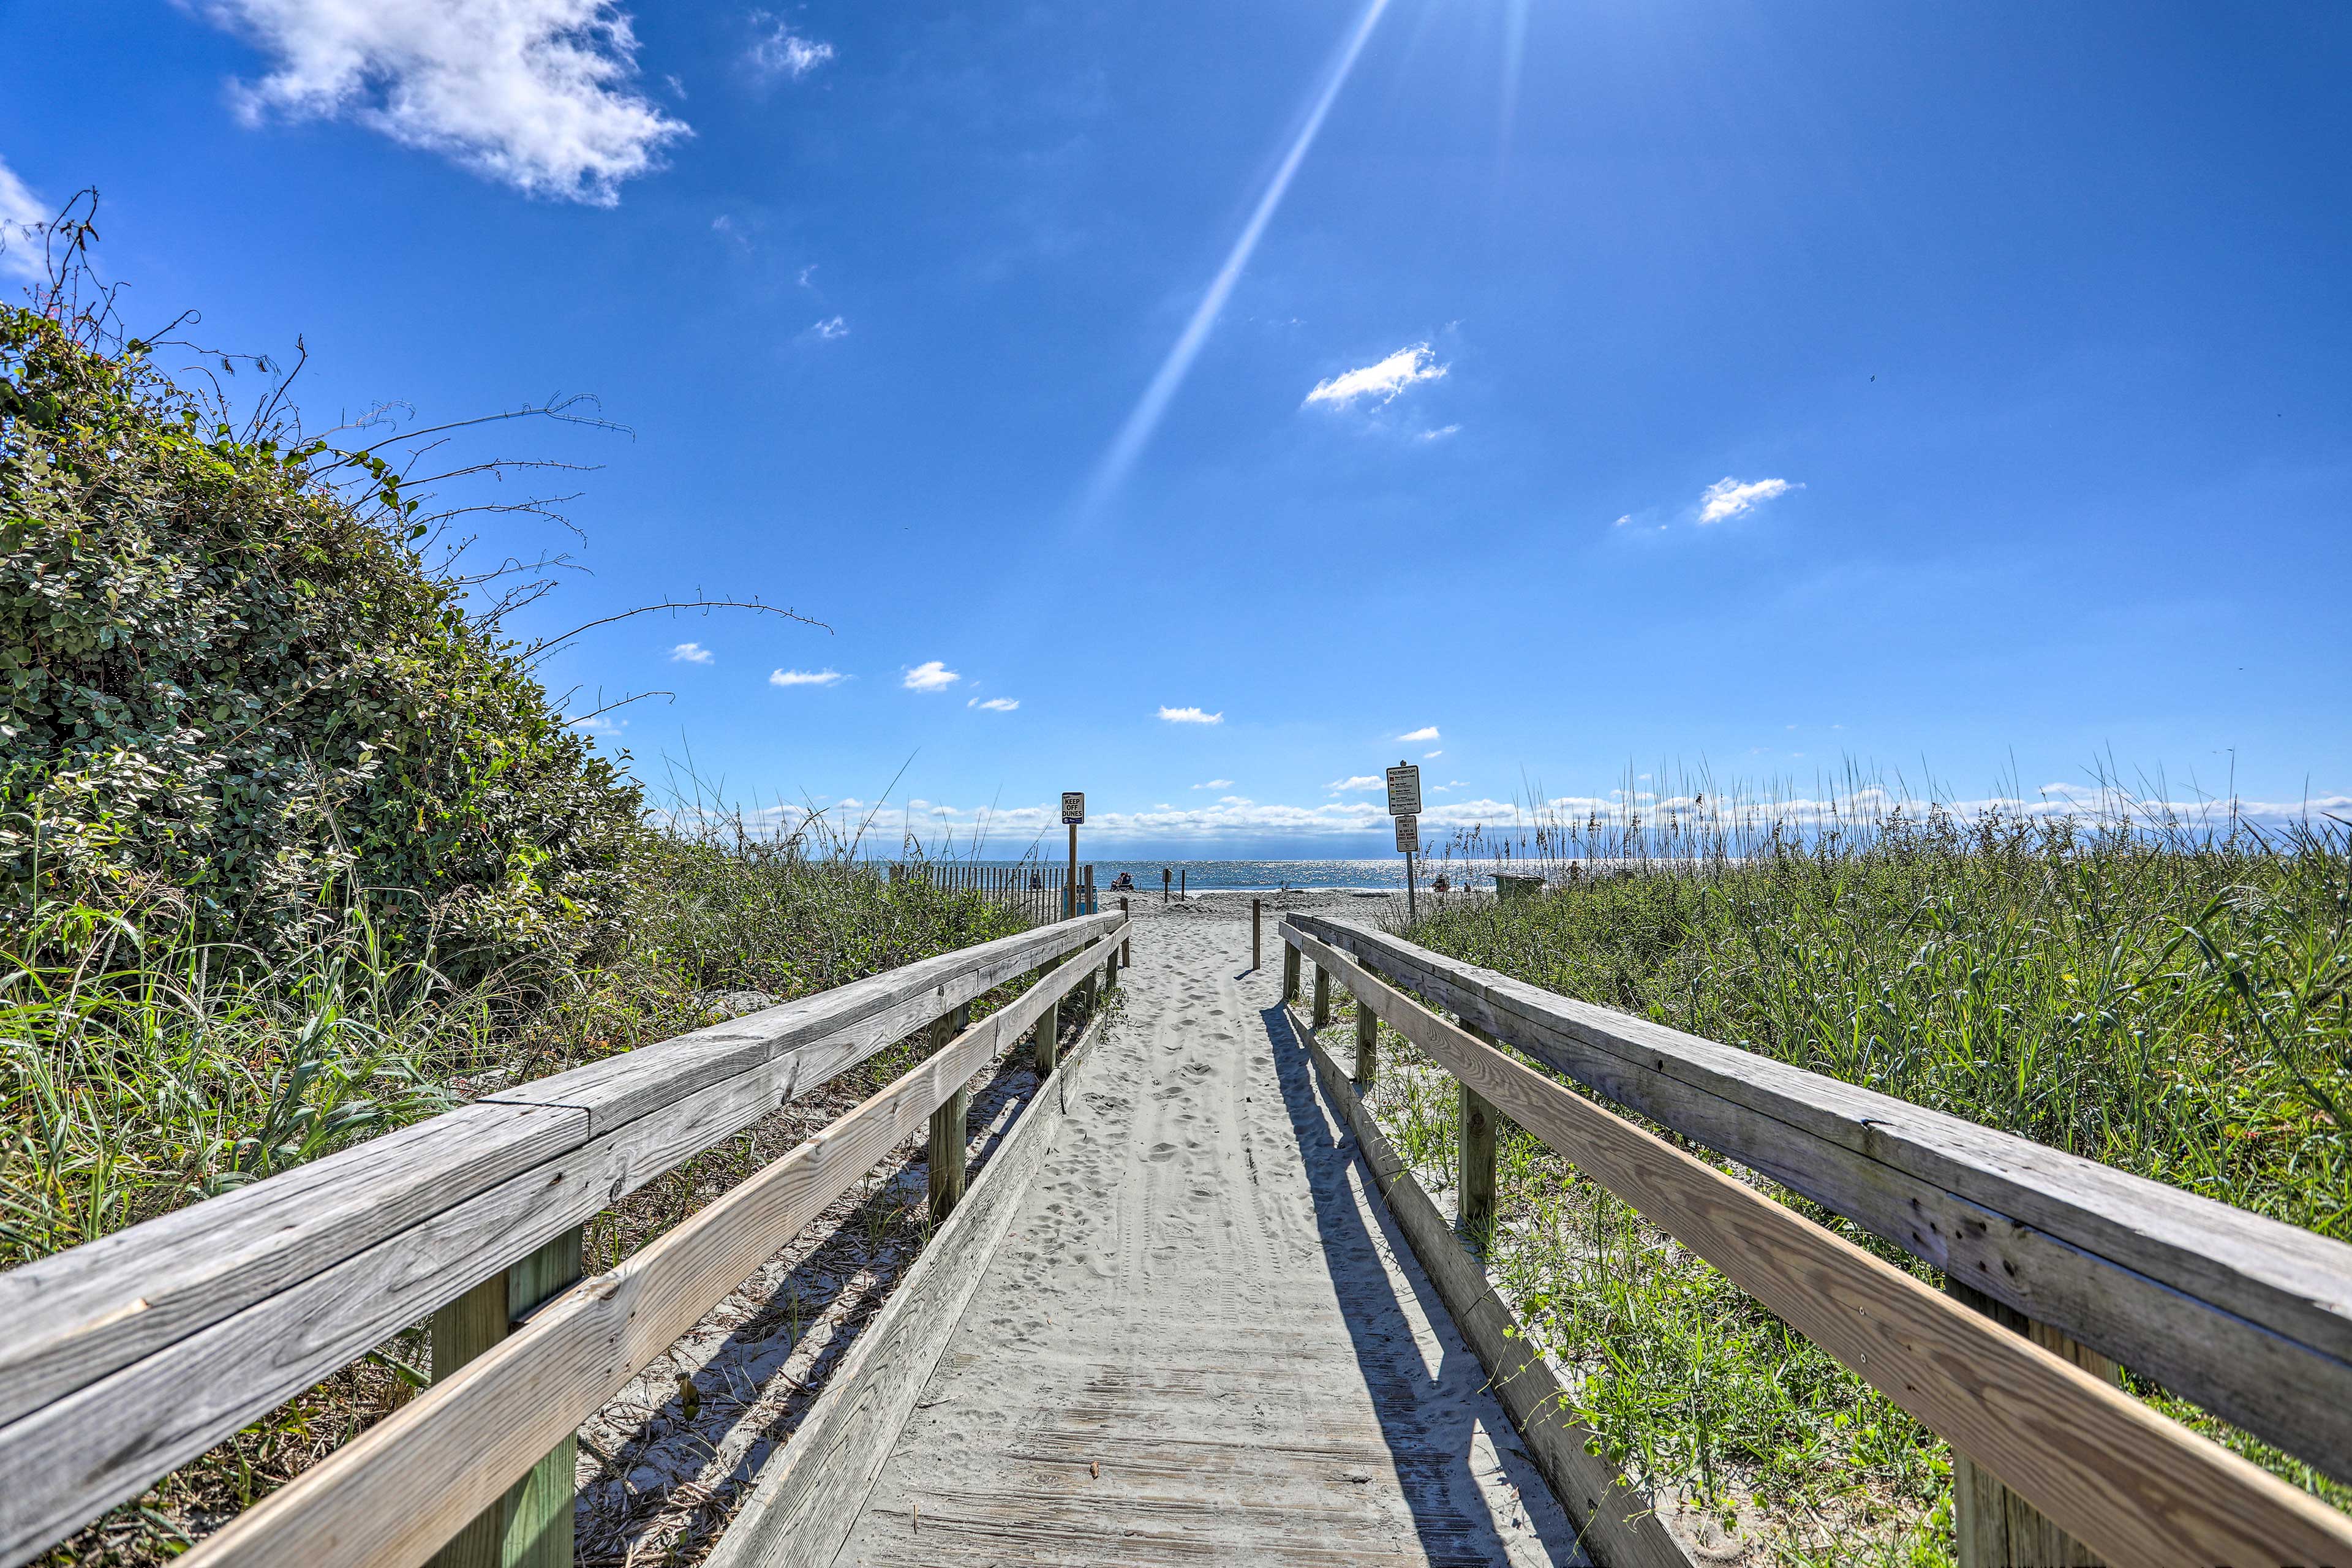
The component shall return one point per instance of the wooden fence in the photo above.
(128, 1356)
(1040, 892)
(2078, 1262)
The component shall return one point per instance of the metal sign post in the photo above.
(1404, 804)
(1074, 810)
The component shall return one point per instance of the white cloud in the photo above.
(1192, 716)
(1439, 434)
(1427, 732)
(535, 94)
(1622, 521)
(21, 215)
(995, 704)
(691, 653)
(805, 274)
(781, 52)
(1215, 783)
(1235, 800)
(1431, 756)
(598, 724)
(832, 327)
(1380, 382)
(1729, 496)
(1359, 780)
(930, 675)
(805, 677)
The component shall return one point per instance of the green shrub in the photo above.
(234, 697)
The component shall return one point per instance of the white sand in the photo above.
(1202, 1340)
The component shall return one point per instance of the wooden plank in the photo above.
(2131, 1485)
(1992, 1527)
(77, 1315)
(1368, 1048)
(881, 1009)
(1615, 1521)
(82, 1314)
(1322, 998)
(397, 1491)
(2248, 1316)
(808, 1500)
(945, 1161)
(1475, 1165)
(76, 1454)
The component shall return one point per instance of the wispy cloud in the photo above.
(994, 704)
(1215, 783)
(832, 327)
(1427, 732)
(1728, 498)
(779, 52)
(1431, 756)
(1439, 434)
(806, 677)
(1382, 382)
(1355, 782)
(600, 724)
(691, 653)
(930, 675)
(21, 215)
(1192, 716)
(535, 94)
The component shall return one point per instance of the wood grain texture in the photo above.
(115, 1374)
(396, 1493)
(810, 1496)
(2129, 1484)
(1613, 1520)
(77, 1315)
(2244, 1315)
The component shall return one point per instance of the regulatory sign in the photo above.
(1074, 806)
(1408, 834)
(1404, 790)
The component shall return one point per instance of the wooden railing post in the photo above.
(1322, 996)
(1126, 943)
(1476, 1174)
(1992, 1527)
(1045, 1045)
(948, 1167)
(532, 1525)
(1368, 1045)
(1257, 916)
(1289, 973)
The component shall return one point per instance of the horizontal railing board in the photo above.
(74, 1315)
(621, 1088)
(2245, 1315)
(331, 1259)
(2132, 1485)
(401, 1488)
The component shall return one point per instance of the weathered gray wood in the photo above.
(1322, 1008)
(1258, 921)
(945, 1154)
(808, 1498)
(463, 1330)
(2248, 1316)
(1289, 973)
(397, 1491)
(1367, 1049)
(1615, 1521)
(278, 1309)
(77, 1315)
(2132, 1485)
(1474, 1167)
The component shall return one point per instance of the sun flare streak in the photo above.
(1136, 433)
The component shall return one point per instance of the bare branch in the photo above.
(546, 645)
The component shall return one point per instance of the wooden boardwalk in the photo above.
(1201, 1339)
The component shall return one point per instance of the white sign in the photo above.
(1408, 834)
(1404, 790)
(1074, 806)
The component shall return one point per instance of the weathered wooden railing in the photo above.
(124, 1358)
(2248, 1316)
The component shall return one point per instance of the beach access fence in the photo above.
(2057, 1268)
(1041, 893)
(128, 1356)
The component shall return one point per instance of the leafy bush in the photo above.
(234, 695)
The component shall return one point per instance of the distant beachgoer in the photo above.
(1036, 879)
(1440, 885)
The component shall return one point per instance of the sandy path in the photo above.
(1201, 1341)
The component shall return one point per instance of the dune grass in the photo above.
(2163, 997)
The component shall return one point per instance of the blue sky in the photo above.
(1610, 389)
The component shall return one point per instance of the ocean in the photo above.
(1241, 876)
